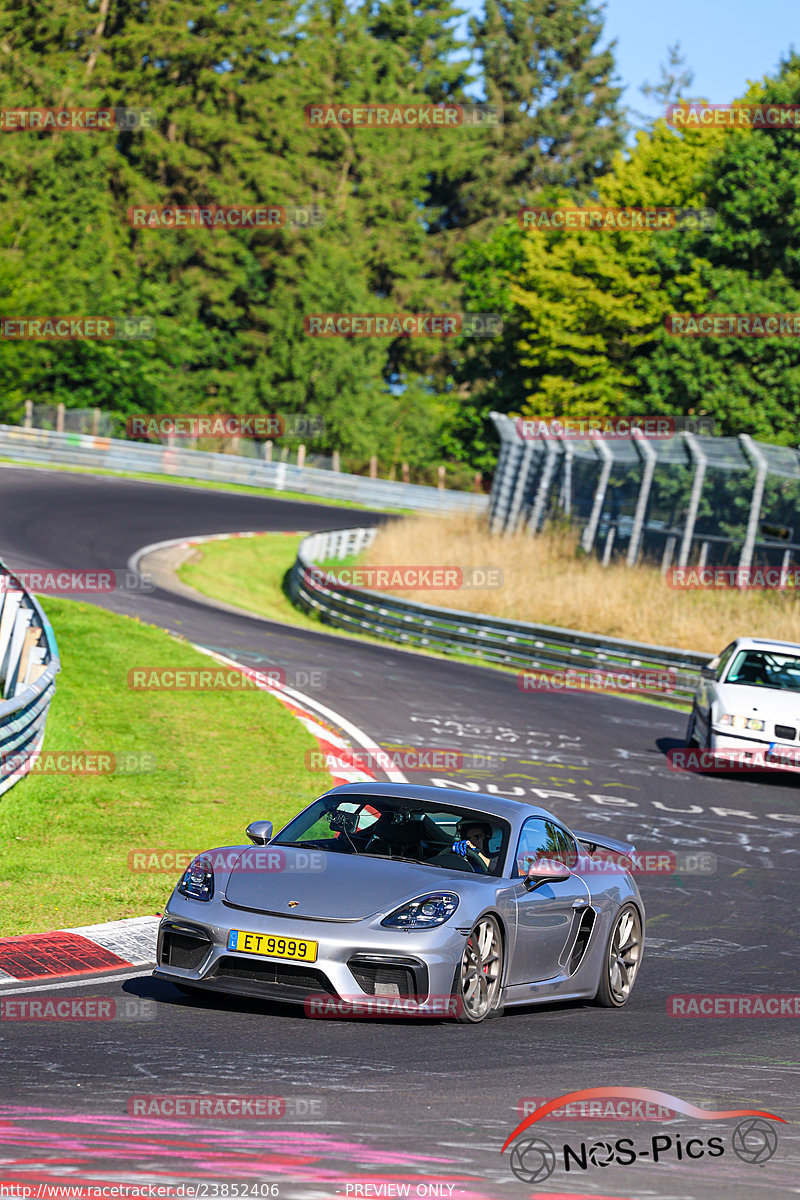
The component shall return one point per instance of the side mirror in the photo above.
(545, 871)
(708, 672)
(259, 832)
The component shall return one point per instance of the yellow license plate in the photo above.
(298, 949)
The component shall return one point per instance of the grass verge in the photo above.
(545, 580)
(222, 759)
(254, 571)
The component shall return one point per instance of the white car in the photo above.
(747, 707)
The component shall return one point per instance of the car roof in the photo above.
(498, 806)
(752, 643)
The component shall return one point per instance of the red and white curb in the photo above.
(123, 946)
(111, 948)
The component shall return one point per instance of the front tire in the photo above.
(692, 739)
(621, 960)
(479, 978)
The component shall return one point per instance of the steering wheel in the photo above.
(383, 845)
(476, 862)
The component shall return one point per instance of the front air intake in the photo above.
(389, 976)
(183, 947)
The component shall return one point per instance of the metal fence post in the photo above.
(510, 453)
(590, 532)
(537, 511)
(700, 463)
(669, 550)
(565, 499)
(648, 454)
(758, 458)
(512, 516)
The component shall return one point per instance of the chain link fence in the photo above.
(684, 499)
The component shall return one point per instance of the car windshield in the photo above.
(408, 830)
(767, 669)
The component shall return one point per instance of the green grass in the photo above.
(222, 760)
(255, 578)
(254, 571)
(186, 481)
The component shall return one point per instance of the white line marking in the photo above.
(41, 985)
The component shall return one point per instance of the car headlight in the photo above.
(197, 881)
(426, 912)
(741, 722)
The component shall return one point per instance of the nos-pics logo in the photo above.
(754, 1140)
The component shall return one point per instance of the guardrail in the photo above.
(116, 454)
(29, 664)
(453, 631)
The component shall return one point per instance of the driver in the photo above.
(474, 835)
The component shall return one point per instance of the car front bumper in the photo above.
(354, 960)
(748, 753)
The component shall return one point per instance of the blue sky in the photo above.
(725, 42)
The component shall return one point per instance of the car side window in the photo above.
(540, 838)
(724, 659)
(567, 850)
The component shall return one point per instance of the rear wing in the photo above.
(593, 841)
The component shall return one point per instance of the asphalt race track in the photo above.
(429, 1104)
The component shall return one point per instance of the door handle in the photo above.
(582, 903)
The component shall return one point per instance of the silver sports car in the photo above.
(402, 900)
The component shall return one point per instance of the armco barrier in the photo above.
(452, 631)
(29, 664)
(116, 454)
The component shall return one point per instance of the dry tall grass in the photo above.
(547, 582)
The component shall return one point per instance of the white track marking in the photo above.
(41, 984)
